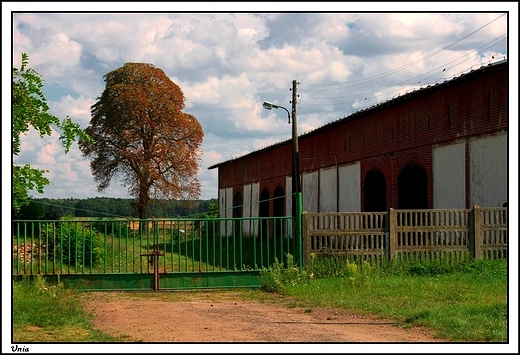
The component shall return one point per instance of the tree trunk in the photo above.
(142, 204)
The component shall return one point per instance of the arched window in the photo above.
(375, 191)
(412, 186)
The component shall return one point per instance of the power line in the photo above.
(382, 75)
(368, 94)
(435, 70)
(258, 202)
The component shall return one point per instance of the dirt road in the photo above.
(225, 316)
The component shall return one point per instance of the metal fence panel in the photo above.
(119, 249)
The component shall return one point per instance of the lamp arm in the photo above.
(288, 113)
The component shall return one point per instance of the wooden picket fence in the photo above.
(408, 234)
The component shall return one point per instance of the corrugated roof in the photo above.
(371, 109)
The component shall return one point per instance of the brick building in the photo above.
(443, 146)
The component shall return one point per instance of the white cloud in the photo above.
(227, 64)
(47, 155)
(78, 109)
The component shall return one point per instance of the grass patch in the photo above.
(464, 302)
(44, 313)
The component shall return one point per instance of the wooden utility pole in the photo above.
(296, 159)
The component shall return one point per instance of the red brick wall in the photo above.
(388, 137)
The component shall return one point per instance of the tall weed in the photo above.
(339, 266)
(278, 277)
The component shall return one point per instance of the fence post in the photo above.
(476, 235)
(305, 237)
(392, 234)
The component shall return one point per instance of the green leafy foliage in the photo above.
(26, 179)
(72, 243)
(30, 109)
(212, 209)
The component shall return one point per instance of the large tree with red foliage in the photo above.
(143, 137)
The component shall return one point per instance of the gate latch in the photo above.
(153, 258)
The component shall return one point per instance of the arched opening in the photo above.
(279, 209)
(412, 186)
(237, 211)
(375, 191)
(264, 212)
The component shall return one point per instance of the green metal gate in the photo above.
(154, 254)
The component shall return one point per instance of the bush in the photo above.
(116, 228)
(73, 244)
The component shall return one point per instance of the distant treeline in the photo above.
(45, 208)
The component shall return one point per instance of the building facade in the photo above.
(442, 146)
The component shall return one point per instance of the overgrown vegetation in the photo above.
(281, 276)
(464, 301)
(44, 313)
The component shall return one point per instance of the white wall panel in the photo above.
(488, 171)
(246, 224)
(328, 199)
(310, 191)
(226, 228)
(255, 198)
(222, 203)
(449, 177)
(349, 187)
(288, 199)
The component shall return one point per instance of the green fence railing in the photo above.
(101, 246)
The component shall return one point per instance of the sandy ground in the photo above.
(229, 317)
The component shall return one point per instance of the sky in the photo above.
(228, 63)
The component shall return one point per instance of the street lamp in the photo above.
(296, 193)
(269, 105)
(295, 160)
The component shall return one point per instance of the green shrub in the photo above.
(116, 228)
(74, 244)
